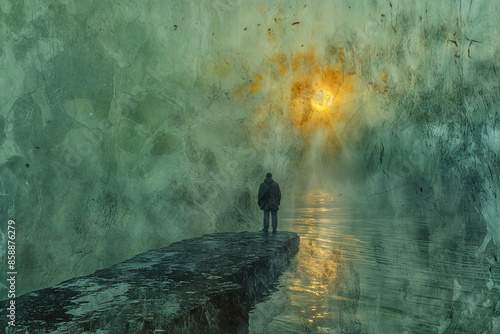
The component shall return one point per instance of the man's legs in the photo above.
(274, 216)
(266, 220)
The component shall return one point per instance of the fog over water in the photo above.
(360, 270)
(128, 125)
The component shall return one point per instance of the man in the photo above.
(269, 201)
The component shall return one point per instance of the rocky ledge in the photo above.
(200, 285)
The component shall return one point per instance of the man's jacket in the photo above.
(269, 195)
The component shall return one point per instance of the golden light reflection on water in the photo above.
(323, 286)
(362, 271)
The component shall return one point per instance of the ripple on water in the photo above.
(358, 271)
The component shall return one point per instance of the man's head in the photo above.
(269, 175)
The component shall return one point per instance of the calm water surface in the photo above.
(360, 271)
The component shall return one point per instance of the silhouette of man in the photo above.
(269, 201)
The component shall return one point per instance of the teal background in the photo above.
(128, 125)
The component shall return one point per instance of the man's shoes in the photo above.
(264, 230)
(274, 230)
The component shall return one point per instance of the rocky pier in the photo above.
(206, 284)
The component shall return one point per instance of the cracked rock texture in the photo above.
(200, 285)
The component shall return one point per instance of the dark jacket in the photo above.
(269, 195)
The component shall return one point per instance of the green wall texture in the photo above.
(127, 125)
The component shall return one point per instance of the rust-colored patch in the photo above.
(301, 89)
(300, 106)
(254, 88)
(302, 59)
(332, 77)
(383, 77)
(280, 62)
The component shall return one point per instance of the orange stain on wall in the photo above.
(279, 64)
(254, 88)
(383, 77)
(302, 60)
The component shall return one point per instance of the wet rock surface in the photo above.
(200, 285)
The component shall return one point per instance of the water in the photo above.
(361, 271)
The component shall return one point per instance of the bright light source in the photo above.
(322, 100)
